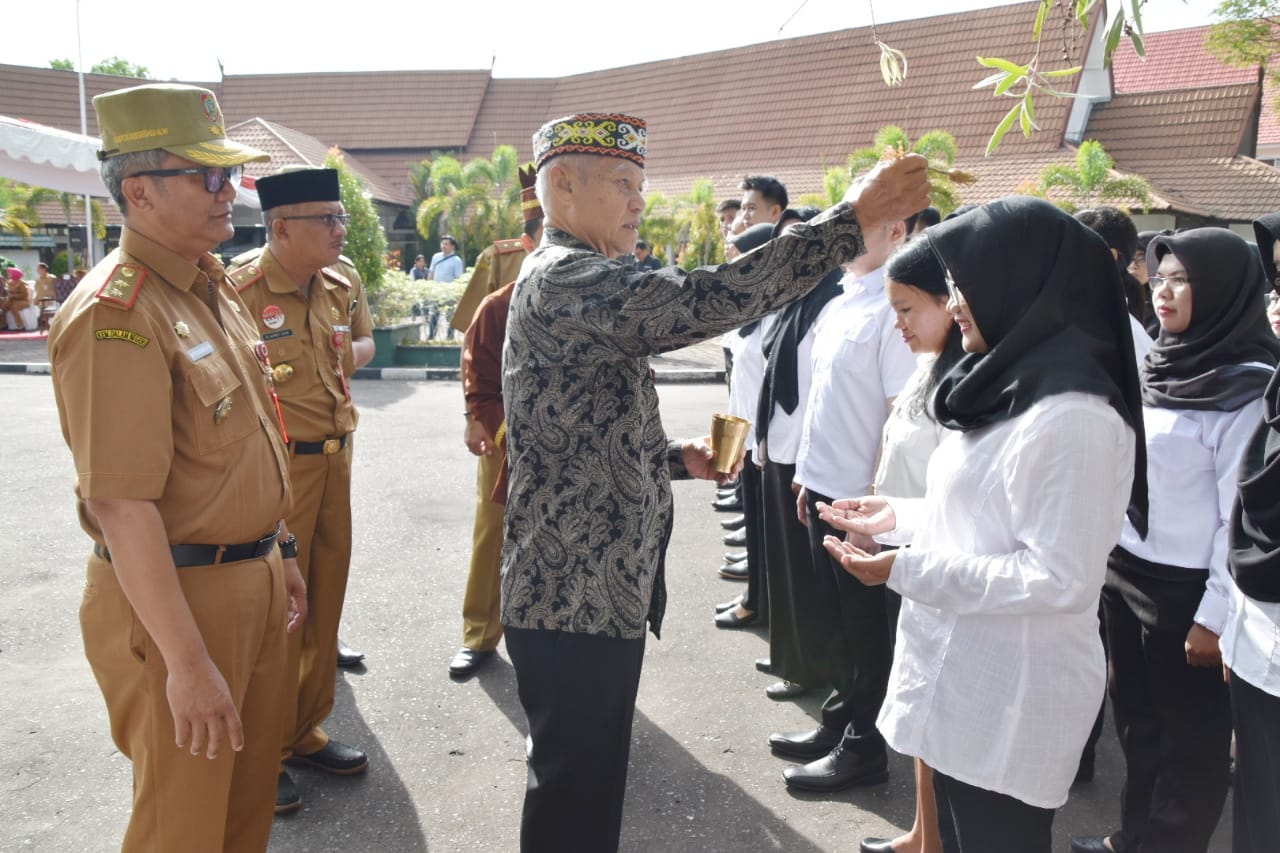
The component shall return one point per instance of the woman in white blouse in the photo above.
(1166, 596)
(916, 288)
(998, 670)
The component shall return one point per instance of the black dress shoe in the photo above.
(1091, 844)
(838, 770)
(734, 571)
(736, 523)
(288, 800)
(348, 656)
(467, 662)
(728, 605)
(784, 690)
(764, 665)
(806, 746)
(735, 556)
(736, 539)
(875, 845)
(730, 504)
(730, 619)
(336, 758)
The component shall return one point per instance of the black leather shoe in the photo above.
(784, 690)
(288, 800)
(876, 845)
(467, 662)
(730, 504)
(838, 770)
(728, 605)
(736, 523)
(735, 556)
(1091, 844)
(734, 571)
(764, 665)
(348, 656)
(805, 746)
(730, 619)
(736, 539)
(336, 758)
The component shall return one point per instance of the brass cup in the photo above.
(728, 434)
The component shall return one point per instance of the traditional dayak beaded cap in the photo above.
(529, 204)
(605, 134)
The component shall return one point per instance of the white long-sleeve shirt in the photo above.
(1193, 459)
(998, 671)
(748, 375)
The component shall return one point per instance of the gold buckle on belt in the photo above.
(332, 446)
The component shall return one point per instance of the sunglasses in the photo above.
(215, 177)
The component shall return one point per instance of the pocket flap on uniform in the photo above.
(212, 378)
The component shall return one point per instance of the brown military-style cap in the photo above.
(183, 120)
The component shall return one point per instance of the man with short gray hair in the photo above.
(589, 511)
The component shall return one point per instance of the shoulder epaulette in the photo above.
(336, 277)
(243, 277)
(122, 285)
(245, 258)
(506, 247)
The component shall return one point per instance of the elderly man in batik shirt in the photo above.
(589, 511)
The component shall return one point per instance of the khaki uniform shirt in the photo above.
(19, 295)
(497, 265)
(309, 338)
(163, 397)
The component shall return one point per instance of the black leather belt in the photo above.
(189, 556)
(328, 447)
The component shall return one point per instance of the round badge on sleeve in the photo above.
(273, 316)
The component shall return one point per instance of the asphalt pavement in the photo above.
(447, 768)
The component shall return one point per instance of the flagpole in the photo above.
(84, 130)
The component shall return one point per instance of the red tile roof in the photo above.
(1141, 128)
(373, 109)
(1176, 59)
(289, 147)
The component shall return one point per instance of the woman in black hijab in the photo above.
(1265, 232)
(998, 670)
(1166, 595)
(1251, 638)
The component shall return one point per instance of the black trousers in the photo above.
(866, 635)
(804, 633)
(983, 821)
(756, 598)
(579, 694)
(1173, 719)
(1256, 794)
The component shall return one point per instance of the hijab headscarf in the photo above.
(1046, 295)
(1206, 367)
(1265, 231)
(1254, 553)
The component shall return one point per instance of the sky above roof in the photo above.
(516, 39)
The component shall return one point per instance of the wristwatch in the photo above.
(289, 547)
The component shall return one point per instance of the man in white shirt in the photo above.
(860, 363)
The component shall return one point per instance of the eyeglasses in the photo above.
(330, 220)
(1177, 283)
(215, 177)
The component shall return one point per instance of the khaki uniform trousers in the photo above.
(481, 605)
(180, 801)
(321, 520)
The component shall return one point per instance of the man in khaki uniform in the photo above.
(498, 264)
(310, 307)
(163, 397)
(485, 436)
(45, 284)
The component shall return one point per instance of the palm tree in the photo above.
(39, 195)
(938, 146)
(478, 202)
(1091, 181)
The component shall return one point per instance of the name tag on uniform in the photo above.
(342, 328)
(200, 351)
(283, 333)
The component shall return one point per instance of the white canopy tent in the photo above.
(44, 156)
